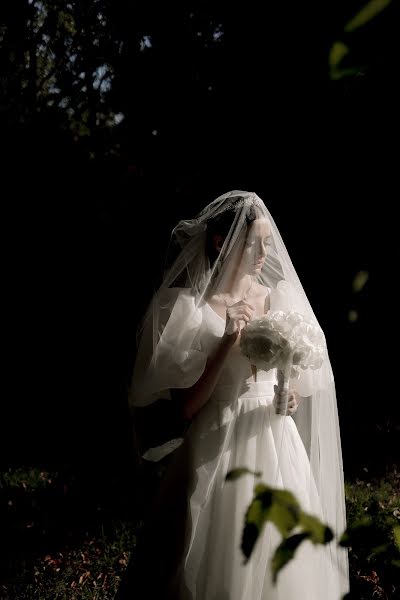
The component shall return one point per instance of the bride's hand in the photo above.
(293, 400)
(237, 316)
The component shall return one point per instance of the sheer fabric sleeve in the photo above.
(169, 354)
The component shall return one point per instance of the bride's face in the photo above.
(255, 247)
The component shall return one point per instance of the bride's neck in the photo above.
(238, 287)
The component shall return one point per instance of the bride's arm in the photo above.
(195, 397)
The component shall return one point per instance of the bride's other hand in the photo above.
(293, 401)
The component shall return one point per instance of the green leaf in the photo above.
(255, 513)
(396, 533)
(285, 552)
(318, 531)
(249, 537)
(379, 549)
(366, 14)
(360, 280)
(236, 473)
(277, 506)
(255, 519)
(341, 73)
(261, 488)
(356, 532)
(352, 316)
(337, 53)
(285, 511)
(287, 498)
(284, 517)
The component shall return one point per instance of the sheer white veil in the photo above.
(169, 355)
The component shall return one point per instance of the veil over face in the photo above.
(169, 354)
(168, 357)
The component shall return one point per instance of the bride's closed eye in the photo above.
(266, 242)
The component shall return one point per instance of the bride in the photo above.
(226, 267)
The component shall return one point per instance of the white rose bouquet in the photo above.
(286, 341)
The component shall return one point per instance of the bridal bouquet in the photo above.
(286, 341)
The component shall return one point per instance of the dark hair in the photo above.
(221, 225)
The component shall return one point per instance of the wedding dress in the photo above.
(237, 427)
(191, 547)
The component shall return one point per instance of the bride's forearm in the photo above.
(196, 397)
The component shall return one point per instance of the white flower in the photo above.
(270, 341)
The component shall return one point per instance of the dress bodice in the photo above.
(237, 371)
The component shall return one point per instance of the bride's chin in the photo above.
(252, 269)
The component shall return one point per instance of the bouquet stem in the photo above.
(283, 387)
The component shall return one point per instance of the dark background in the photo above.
(213, 98)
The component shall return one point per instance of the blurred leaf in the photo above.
(285, 552)
(337, 52)
(358, 530)
(341, 56)
(261, 488)
(236, 473)
(255, 519)
(250, 536)
(353, 316)
(318, 531)
(379, 549)
(284, 512)
(360, 280)
(396, 533)
(255, 513)
(279, 507)
(366, 14)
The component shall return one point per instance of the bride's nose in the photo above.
(261, 251)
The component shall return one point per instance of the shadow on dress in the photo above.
(155, 567)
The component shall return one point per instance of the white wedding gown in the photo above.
(193, 551)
